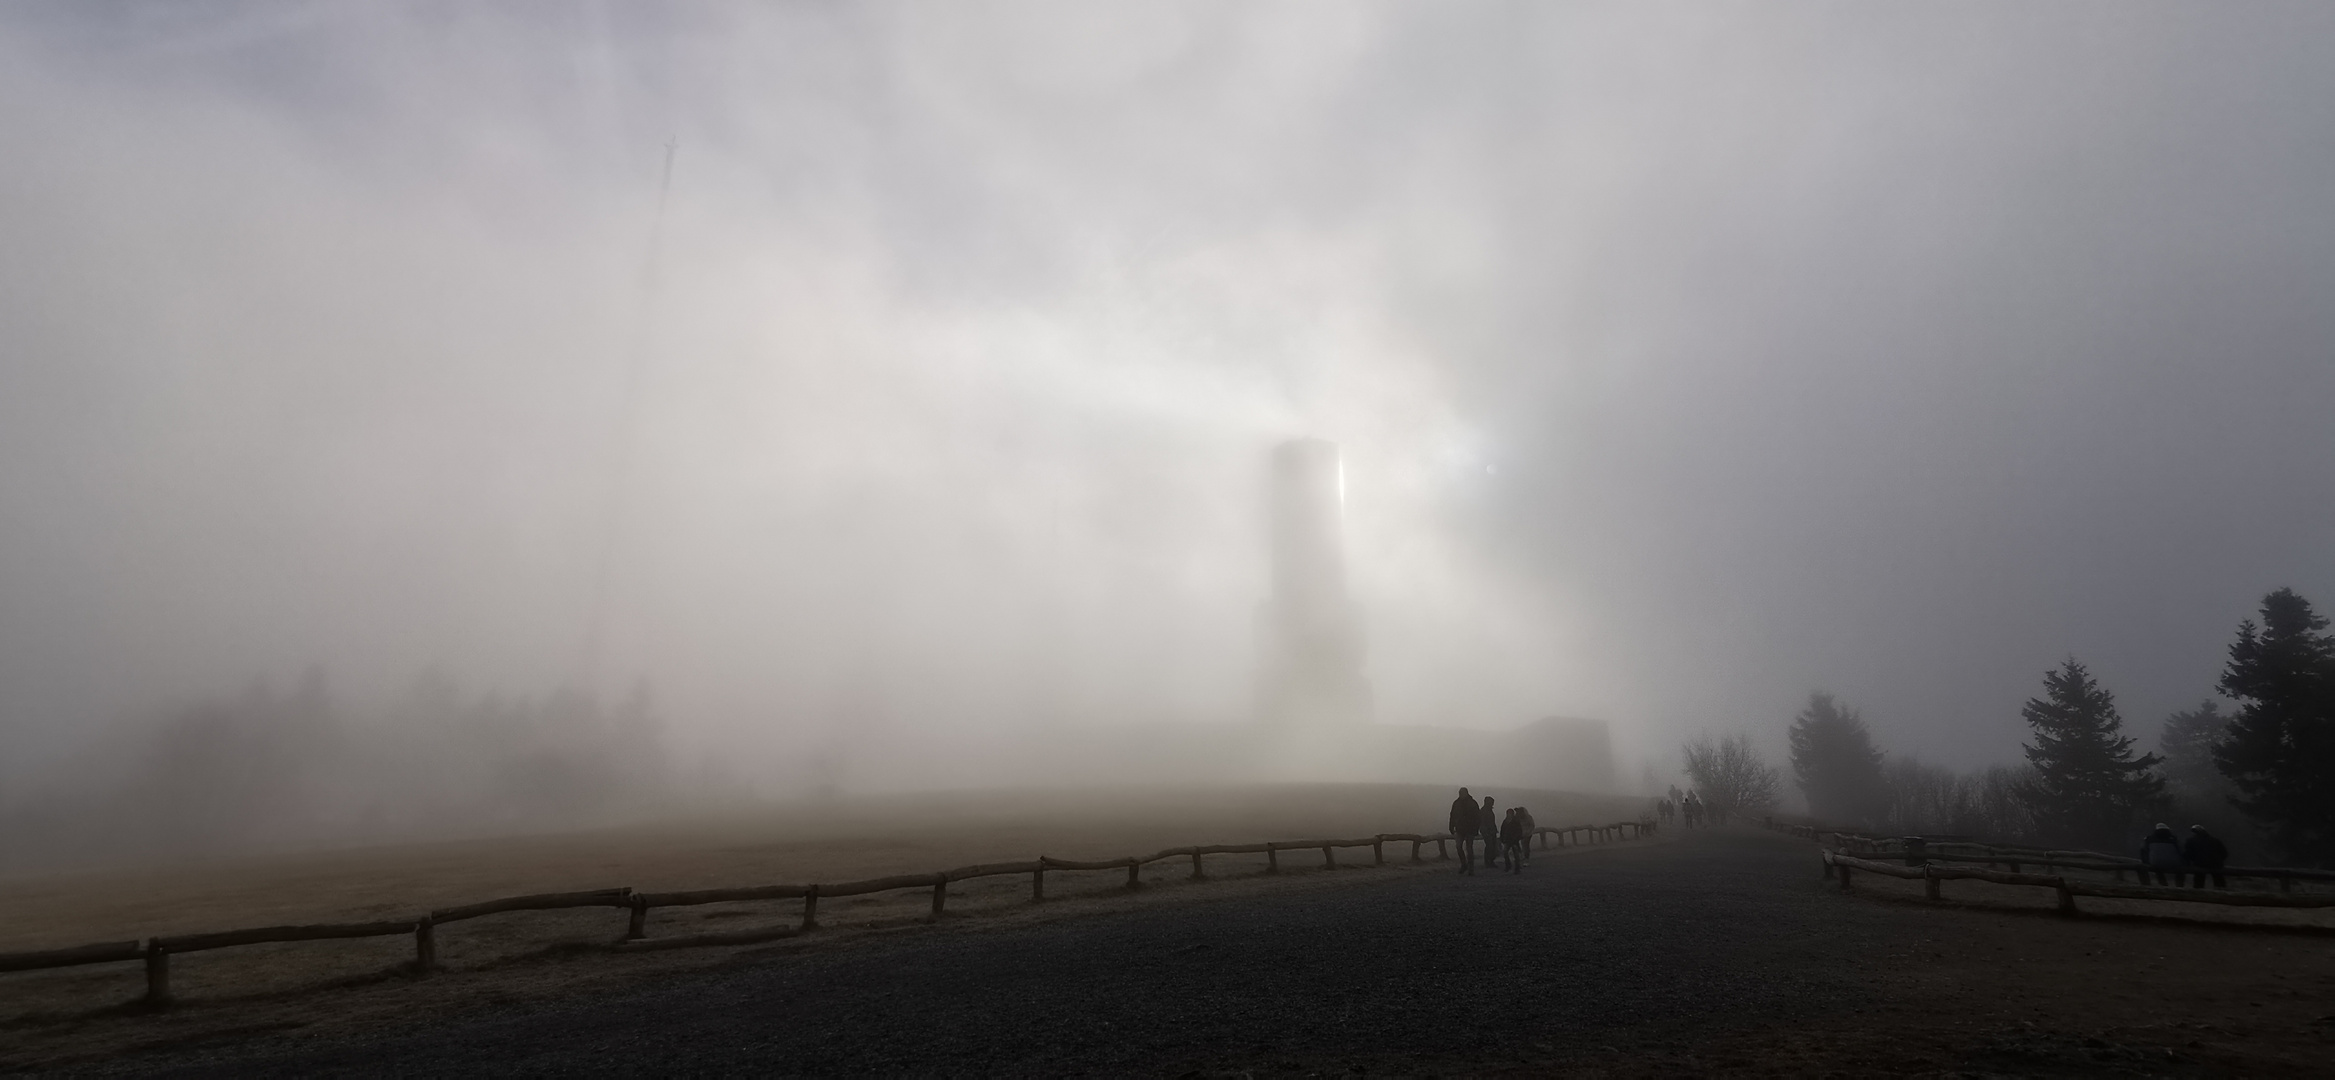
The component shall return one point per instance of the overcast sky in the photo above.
(1686, 357)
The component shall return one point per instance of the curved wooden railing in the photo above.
(1930, 861)
(155, 952)
(2016, 856)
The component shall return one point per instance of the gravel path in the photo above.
(1581, 955)
(1709, 953)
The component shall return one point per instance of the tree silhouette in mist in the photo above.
(1836, 764)
(2088, 785)
(2280, 751)
(1730, 775)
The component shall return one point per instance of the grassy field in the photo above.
(837, 840)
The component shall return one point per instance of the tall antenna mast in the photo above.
(624, 436)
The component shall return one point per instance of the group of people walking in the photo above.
(2173, 860)
(1689, 806)
(1507, 837)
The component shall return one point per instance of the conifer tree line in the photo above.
(2261, 775)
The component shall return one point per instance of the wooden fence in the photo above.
(156, 952)
(1931, 861)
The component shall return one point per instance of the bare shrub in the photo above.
(1730, 775)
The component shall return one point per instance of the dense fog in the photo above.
(435, 414)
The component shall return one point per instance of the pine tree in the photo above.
(2280, 752)
(1838, 768)
(2087, 785)
(2187, 741)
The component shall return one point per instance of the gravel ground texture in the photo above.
(1719, 952)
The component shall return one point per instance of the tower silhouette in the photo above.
(1311, 633)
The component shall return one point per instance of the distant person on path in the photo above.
(2206, 854)
(2161, 853)
(1663, 808)
(1512, 839)
(1693, 810)
(1488, 825)
(1463, 830)
(1525, 824)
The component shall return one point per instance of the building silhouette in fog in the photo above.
(1311, 634)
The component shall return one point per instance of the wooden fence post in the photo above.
(811, 908)
(1929, 883)
(940, 894)
(1272, 859)
(1134, 869)
(157, 974)
(1414, 851)
(1378, 853)
(638, 926)
(1329, 857)
(2067, 899)
(1037, 885)
(1844, 876)
(425, 944)
(1196, 874)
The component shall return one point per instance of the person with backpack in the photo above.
(1524, 824)
(1464, 823)
(2206, 854)
(1488, 826)
(2161, 854)
(1511, 839)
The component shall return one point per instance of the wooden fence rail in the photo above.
(2016, 857)
(155, 952)
(1929, 861)
(2068, 888)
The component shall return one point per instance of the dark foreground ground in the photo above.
(1719, 952)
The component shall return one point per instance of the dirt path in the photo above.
(1714, 953)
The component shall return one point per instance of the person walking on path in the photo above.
(2161, 853)
(1524, 825)
(1511, 839)
(1463, 830)
(1488, 826)
(2206, 854)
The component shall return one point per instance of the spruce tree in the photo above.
(1838, 768)
(2087, 785)
(2187, 741)
(2280, 751)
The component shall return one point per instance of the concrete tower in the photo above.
(1312, 636)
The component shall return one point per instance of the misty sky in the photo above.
(1686, 358)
